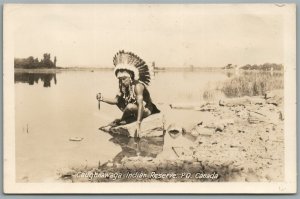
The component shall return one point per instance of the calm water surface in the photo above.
(52, 108)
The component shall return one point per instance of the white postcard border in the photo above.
(288, 186)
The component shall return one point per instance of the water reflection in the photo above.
(33, 78)
(131, 147)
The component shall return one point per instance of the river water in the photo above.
(52, 108)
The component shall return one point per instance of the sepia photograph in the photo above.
(149, 98)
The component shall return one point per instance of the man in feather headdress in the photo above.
(133, 97)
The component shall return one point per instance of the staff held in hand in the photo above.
(99, 98)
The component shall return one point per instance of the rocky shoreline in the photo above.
(241, 141)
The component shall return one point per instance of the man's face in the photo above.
(125, 81)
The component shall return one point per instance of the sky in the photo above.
(171, 35)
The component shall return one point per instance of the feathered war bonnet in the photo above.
(129, 62)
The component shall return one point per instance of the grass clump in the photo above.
(252, 84)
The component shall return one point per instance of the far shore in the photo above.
(92, 69)
(166, 69)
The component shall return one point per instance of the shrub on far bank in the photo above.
(252, 84)
(264, 67)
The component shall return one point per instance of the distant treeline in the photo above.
(264, 67)
(34, 63)
(190, 68)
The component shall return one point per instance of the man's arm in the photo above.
(139, 90)
(107, 100)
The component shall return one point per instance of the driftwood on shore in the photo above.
(271, 97)
(152, 126)
(243, 101)
(185, 105)
(207, 106)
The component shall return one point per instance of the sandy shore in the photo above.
(238, 139)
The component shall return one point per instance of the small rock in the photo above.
(110, 164)
(105, 128)
(149, 159)
(221, 103)
(281, 116)
(273, 102)
(219, 127)
(207, 107)
(195, 132)
(201, 130)
(173, 129)
(78, 139)
(138, 165)
(135, 158)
